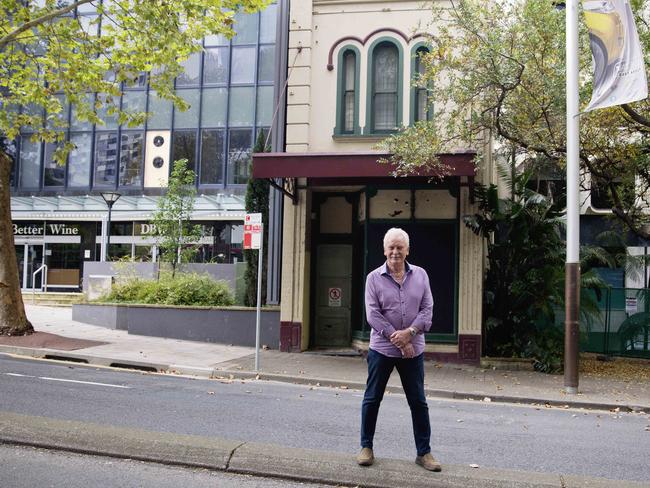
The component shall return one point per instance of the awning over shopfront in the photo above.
(347, 165)
(93, 207)
(325, 169)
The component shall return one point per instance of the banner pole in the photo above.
(572, 267)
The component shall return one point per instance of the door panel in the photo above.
(20, 257)
(333, 295)
(34, 261)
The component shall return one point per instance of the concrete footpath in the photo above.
(59, 337)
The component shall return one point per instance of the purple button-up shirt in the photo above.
(391, 307)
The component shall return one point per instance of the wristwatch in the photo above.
(413, 331)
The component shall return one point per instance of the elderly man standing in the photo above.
(399, 307)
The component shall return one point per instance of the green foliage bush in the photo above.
(183, 289)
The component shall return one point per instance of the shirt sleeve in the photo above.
(422, 320)
(373, 310)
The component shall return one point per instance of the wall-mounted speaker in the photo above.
(156, 165)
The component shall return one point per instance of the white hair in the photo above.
(396, 232)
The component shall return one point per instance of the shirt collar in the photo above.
(384, 268)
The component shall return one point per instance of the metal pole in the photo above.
(108, 232)
(260, 256)
(572, 277)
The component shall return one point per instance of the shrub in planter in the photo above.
(183, 289)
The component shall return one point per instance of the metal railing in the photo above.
(43, 270)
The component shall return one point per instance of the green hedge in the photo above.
(184, 289)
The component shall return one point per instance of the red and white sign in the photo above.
(334, 297)
(253, 231)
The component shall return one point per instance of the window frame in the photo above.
(370, 112)
(420, 46)
(339, 128)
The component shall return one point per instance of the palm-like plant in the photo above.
(524, 284)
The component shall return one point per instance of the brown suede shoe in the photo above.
(366, 457)
(428, 462)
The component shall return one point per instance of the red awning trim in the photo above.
(346, 165)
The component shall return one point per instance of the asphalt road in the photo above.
(25, 467)
(552, 440)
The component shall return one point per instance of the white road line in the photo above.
(47, 378)
(83, 382)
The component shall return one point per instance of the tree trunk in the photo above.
(13, 320)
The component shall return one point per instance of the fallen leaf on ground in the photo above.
(210, 393)
(473, 466)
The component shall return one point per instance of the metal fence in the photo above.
(622, 327)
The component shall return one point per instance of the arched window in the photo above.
(347, 110)
(385, 85)
(421, 109)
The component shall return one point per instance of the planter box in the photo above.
(223, 325)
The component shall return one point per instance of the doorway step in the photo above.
(336, 351)
(57, 299)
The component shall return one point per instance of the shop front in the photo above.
(333, 237)
(51, 254)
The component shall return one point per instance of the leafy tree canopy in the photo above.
(497, 69)
(47, 55)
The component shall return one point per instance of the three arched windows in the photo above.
(383, 90)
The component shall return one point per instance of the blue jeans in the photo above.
(411, 372)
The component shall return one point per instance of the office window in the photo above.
(53, 172)
(131, 157)
(215, 66)
(106, 147)
(76, 123)
(79, 160)
(385, 87)
(191, 71)
(268, 21)
(58, 120)
(215, 105)
(243, 65)
(184, 147)
(264, 105)
(132, 102)
(246, 28)
(190, 118)
(213, 143)
(266, 64)
(242, 106)
(240, 143)
(30, 163)
(161, 113)
(107, 111)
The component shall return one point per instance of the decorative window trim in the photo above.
(340, 91)
(369, 86)
(413, 91)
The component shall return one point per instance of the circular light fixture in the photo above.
(158, 141)
(158, 162)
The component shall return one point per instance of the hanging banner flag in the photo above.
(619, 68)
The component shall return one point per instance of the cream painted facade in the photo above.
(318, 30)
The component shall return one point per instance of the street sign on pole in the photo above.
(253, 233)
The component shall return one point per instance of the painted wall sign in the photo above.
(55, 229)
(28, 229)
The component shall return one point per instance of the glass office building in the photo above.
(229, 86)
